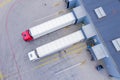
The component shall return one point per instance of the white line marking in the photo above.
(68, 68)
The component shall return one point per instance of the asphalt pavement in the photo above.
(72, 63)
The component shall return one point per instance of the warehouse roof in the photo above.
(108, 22)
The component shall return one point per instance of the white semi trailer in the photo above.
(56, 45)
(60, 22)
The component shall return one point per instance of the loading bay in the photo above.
(73, 63)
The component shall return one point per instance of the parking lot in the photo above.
(73, 63)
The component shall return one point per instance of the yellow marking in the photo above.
(1, 76)
(53, 58)
(46, 63)
(56, 4)
(5, 2)
(76, 46)
(76, 51)
(49, 57)
(79, 25)
(66, 28)
(61, 12)
(83, 62)
(10, 75)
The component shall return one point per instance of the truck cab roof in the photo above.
(32, 56)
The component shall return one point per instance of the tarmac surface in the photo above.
(73, 63)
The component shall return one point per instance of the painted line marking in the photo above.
(76, 46)
(61, 12)
(49, 57)
(9, 41)
(56, 4)
(68, 68)
(76, 50)
(55, 57)
(5, 2)
(66, 28)
(1, 76)
(10, 75)
(46, 63)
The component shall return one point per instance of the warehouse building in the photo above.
(104, 29)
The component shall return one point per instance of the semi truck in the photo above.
(55, 46)
(74, 17)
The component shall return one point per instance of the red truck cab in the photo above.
(26, 36)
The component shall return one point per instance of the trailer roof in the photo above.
(109, 26)
(60, 44)
(52, 25)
